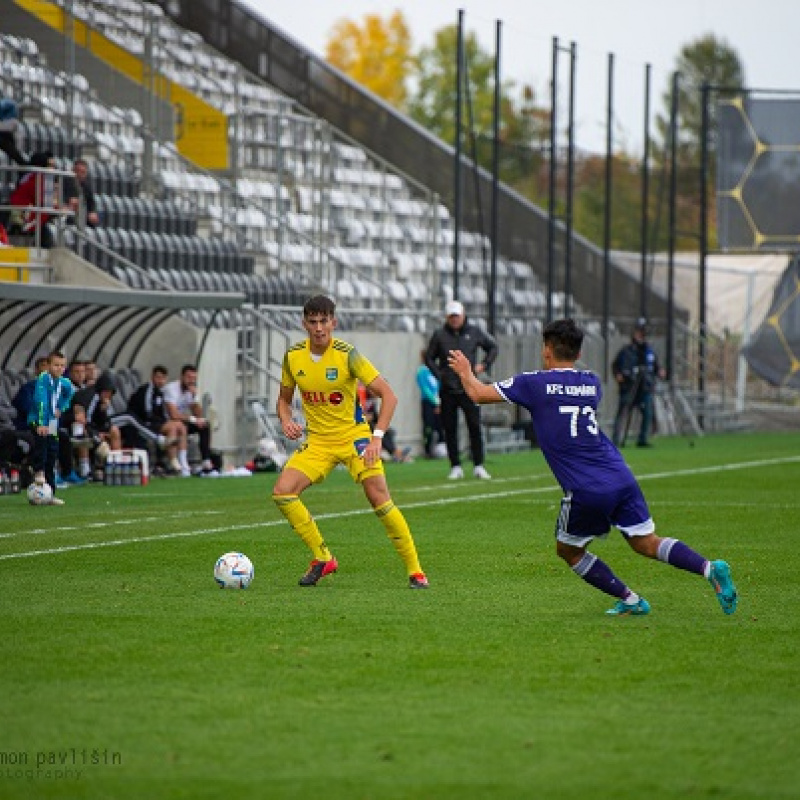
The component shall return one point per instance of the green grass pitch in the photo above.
(126, 673)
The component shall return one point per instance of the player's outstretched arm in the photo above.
(478, 392)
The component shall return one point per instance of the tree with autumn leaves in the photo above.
(378, 54)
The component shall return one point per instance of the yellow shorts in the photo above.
(316, 458)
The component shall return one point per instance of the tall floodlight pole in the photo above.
(607, 212)
(673, 200)
(573, 54)
(551, 201)
(69, 62)
(457, 170)
(149, 103)
(645, 195)
(495, 180)
(701, 342)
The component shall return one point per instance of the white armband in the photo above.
(378, 433)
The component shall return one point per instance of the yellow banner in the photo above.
(10, 256)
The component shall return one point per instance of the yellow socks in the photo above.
(392, 518)
(303, 524)
(400, 535)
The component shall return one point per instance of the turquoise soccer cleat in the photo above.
(722, 584)
(622, 609)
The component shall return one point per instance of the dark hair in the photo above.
(105, 383)
(41, 159)
(188, 368)
(8, 109)
(160, 368)
(565, 339)
(55, 354)
(319, 304)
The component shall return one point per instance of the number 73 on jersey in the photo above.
(576, 413)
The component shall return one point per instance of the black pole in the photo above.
(673, 199)
(551, 202)
(495, 180)
(607, 213)
(457, 170)
(701, 342)
(573, 54)
(645, 195)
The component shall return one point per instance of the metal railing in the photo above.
(729, 391)
(48, 203)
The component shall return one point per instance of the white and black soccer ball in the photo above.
(40, 494)
(233, 571)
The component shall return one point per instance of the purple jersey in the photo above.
(563, 405)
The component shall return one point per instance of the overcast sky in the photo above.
(638, 32)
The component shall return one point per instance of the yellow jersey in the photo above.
(328, 386)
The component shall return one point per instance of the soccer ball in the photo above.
(40, 494)
(233, 571)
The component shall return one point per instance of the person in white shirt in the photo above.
(180, 399)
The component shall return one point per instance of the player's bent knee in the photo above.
(646, 545)
(571, 554)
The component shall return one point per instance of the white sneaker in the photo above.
(456, 474)
(481, 473)
(56, 501)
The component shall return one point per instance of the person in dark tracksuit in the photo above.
(458, 333)
(636, 371)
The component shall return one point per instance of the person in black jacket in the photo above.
(636, 371)
(146, 404)
(459, 334)
(11, 133)
(79, 195)
(96, 402)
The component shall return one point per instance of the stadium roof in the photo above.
(83, 295)
(33, 317)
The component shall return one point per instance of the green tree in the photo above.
(626, 201)
(704, 60)
(714, 62)
(376, 54)
(523, 126)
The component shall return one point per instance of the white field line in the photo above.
(107, 523)
(357, 512)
